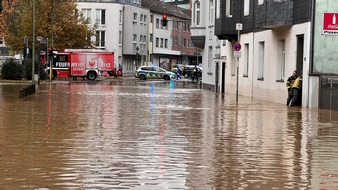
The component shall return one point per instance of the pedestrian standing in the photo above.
(178, 73)
(195, 73)
(297, 92)
(289, 84)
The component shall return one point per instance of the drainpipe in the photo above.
(312, 30)
(122, 55)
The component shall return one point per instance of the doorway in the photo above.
(300, 54)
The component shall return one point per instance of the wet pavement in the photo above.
(156, 135)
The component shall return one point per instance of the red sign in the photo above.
(330, 24)
(237, 46)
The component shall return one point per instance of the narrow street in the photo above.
(156, 135)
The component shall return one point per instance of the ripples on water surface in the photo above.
(160, 135)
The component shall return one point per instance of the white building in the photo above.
(120, 29)
(202, 35)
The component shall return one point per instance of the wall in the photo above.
(269, 89)
(325, 47)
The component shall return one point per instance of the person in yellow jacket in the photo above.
(289, 83)
(297, 92)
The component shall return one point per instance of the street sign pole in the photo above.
(237, 47)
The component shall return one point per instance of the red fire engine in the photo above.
(81, 63)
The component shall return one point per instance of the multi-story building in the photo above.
(134, 31)
(203, 36)
(113, 18)
(275, 37)
(171, 44)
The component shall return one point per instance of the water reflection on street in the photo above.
(155, 135)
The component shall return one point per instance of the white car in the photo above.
(153, 72)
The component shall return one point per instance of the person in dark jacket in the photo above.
(289, 83)
(195, 73)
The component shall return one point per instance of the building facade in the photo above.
(274, 38)
(171, 44)
(209, 46)
(134, 31)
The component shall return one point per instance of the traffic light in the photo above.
(1, 7)
(50, 52)
(164, 20)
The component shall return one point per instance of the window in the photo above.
(145, 19)
(134, 38)
(281, 61)
(218, 9)
(141, 39)
(166, 43)
(141, 18)
(100, 38)
(260, 2)
(135, 17)
(151, 38)
(246, 60)
(211, 11)
(229, 8)
(209, 56)
(184, 42)
(120, 37)
(87, 14)
(151, 18)
(246, 7)
(120, 17)
(161, 42)
(157, 23)
(197, 17)
(157, 41)
(261, 61)
(101, 16)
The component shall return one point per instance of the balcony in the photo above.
(198, 36)
(274, 14)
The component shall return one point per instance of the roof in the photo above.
(163, 7)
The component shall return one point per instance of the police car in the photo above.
(153, 72)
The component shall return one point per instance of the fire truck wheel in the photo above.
(91, 75)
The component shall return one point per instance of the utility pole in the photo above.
(237, 47)
(33, 44)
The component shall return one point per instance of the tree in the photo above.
(70, 29)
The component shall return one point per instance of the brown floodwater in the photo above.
(157, 135)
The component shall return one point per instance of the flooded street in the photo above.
(157, 135)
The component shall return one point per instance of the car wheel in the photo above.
(143, 77)
(166, 77)
(186, 75)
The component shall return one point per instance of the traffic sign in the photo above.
(237, 46)
(237, 54)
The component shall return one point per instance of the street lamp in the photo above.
(39, 38)
(137, 57)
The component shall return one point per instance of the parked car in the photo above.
(187, 71)
(153, 72)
